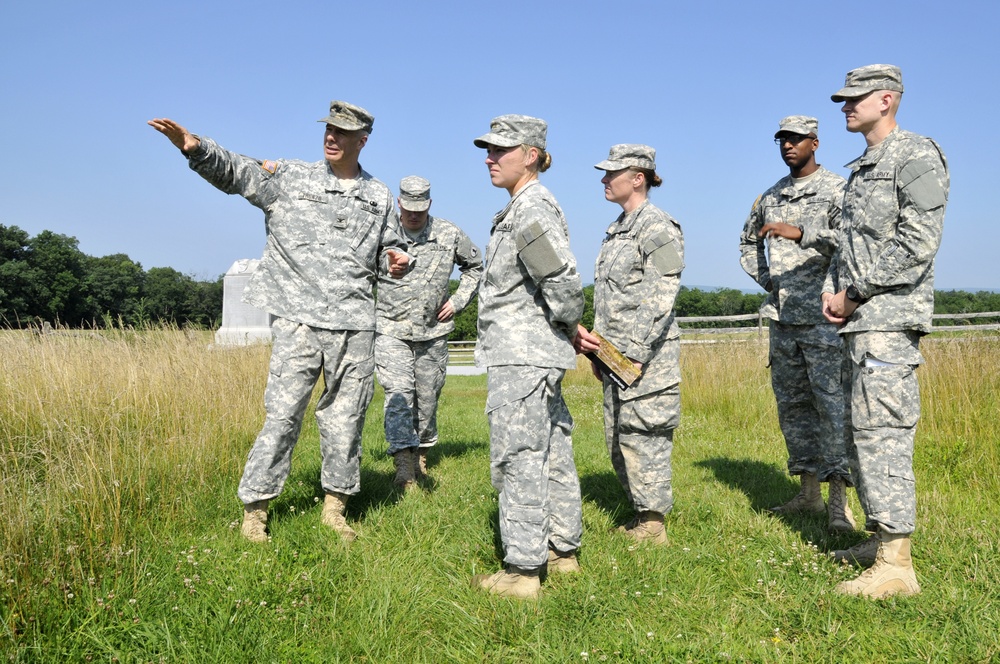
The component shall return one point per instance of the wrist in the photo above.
(852, 294)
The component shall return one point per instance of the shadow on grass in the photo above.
(607, 493)
(766, 485)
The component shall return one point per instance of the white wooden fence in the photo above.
(460, 353)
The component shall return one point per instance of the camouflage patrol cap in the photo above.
(629, 155)
(414, 193)
(509, 131)
(349, 117)
(867, 79)
(798, 124)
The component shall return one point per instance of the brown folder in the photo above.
(618, 368)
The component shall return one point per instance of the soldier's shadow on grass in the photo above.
(456, 449)
(607, 493)
(766, 485)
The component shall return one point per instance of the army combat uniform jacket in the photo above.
(407, 308)
(636, 280)
(892, 223)
(530, 296)
(793, 272)
(324, 239)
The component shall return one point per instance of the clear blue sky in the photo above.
(704, 83)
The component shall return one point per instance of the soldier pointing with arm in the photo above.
(329, 223)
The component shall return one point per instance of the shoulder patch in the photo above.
(269, 166)
(663, 254)
(537, 252)
(919, 182)
(756, 202)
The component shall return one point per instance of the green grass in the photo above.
(120, 456)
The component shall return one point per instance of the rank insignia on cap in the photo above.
(269, 166)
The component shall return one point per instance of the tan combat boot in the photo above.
(255, 521)
(861, 554)
(562, 563)
(892, 574)
(808, 499)
(648, 528)
(421, 467)
(334, 506)
(841, 518)
(514, 582)
(405, 462)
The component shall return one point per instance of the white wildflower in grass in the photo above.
(584, 655)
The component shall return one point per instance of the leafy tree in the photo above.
(16, 277)
(466, 319)
(166, 295)
(204, 302)
(113, 286)
(58, 274)
(588, 307)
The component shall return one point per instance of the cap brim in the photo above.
(341, 124)
(413, 206)
(496, 139)
(850, 93)
(798, 131)
(608, 165)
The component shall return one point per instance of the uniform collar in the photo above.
(873, 154)
(626, 220)
(499, 216)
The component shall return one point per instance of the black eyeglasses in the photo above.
(794, 139)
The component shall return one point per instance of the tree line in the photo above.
(48, 278)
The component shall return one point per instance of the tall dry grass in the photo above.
(101, 431)
(120, 453)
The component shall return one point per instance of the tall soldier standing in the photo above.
(880, 289)
(799, 218)
(328, 223)
(530, 302)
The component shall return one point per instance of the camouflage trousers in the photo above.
(640, 438)
(412, 373)
(531, 463)
(300, 354)
(807, 379)
(882, 404)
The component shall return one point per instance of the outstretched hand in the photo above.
(182, 139)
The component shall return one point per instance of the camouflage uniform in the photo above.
(530, 302)
(636, 280)
(893, 218)
(806, 353)
(411, 345)
(324, 239)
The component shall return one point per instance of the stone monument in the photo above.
(242, 323)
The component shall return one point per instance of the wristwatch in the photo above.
(852, 294)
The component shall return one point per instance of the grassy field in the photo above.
(119, 530)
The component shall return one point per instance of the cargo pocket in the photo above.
(652, 413)
(885, 397)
